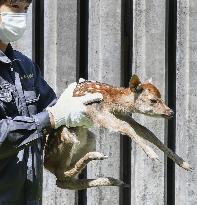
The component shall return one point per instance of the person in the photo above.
(28, 106)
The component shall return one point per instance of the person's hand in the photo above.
(70, 111)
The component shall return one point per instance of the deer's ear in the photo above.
(134, 83)
(150, 80)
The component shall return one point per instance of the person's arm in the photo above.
(21, 131)
(47, 95)
(20, 127)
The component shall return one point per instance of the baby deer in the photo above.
(68, 152)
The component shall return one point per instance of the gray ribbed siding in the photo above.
(60, 70)
(104, 64)
(186, 139)
(147, 177)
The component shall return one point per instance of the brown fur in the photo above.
(152, 89)
(109, 93)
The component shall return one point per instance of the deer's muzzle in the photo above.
(168, 114)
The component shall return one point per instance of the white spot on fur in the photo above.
(81, 80)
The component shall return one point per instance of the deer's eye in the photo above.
(16, 6)
(138, 89)
(153, 101)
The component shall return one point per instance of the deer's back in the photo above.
(110, 93)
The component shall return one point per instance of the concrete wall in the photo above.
(148, 179)
(60, 70)
(104, 64)
(186, 183)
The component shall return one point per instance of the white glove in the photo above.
(70, 111)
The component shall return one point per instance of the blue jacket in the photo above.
(21, 153)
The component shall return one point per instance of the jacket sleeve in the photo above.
(21, 131)
(47, 95)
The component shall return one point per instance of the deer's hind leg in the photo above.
(87, 144)
(86, 154)
(59, 151)
(83, 154)
(69, 182)
(82, 163)
(79, 184)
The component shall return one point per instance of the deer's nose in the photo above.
(169, 113)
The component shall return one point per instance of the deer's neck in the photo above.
(123, 101)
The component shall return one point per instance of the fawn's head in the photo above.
(148, 99)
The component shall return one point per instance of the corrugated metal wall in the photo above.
(108, 40)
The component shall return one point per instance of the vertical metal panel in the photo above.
(82, 68)
(171, 36)
(60, 70)
(105, 65)
(24, 44)
(38, 34)
(147, 177)
(186, 182)
(126, 69)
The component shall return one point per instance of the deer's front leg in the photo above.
(109, 121)
(148, 135)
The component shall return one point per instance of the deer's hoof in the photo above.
(186, 166)
(97, 156)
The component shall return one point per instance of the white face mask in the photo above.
(13, 26)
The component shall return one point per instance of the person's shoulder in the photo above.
(19, 55)
(27, 64)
